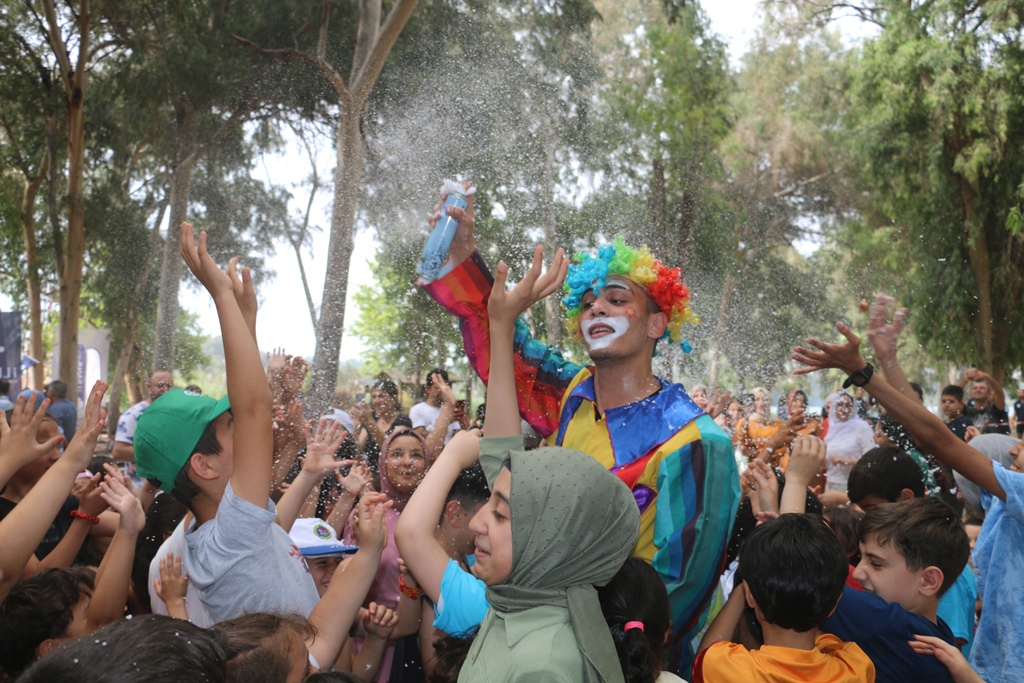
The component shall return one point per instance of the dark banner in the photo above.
(10, 349)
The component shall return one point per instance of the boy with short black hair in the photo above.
(888, 475)
(911, 553)
(952, 404)
(794, 571)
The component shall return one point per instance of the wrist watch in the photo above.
(859, 378)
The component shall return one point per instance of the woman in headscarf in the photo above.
(849, 437)
(403, 464)
(759, 427)
(557, 525)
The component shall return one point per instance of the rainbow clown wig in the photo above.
(663, 284)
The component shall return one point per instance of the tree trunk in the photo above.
(720, 328)
(330, 329)
(131, 326)
(552, 312)
(28, 229)
(170, 269)
(658, 206)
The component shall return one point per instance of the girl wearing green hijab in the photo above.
(557, 524)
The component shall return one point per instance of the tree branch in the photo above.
(321, 42)
(368, 72)
(367, 29)
(289, 53)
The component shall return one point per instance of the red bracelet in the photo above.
(78, 514)
(411, 593)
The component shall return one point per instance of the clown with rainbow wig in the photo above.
(621, 302)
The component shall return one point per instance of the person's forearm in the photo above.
(291, 501)
(66, 551)
(408, 611)
(251, 404)
(366, 663)
(998, 395)
(337, 609)
(794, 496)
(502, 417)
(933, 436)
(112, 582)
(435, 440)
(724, 625)
(123, 452)
(339, 515)
(7, 471)
(23, 529)
(894, 375)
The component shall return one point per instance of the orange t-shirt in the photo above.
(831, 661)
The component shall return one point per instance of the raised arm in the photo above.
(417, 545)
(23, 529)
(435, 440)
(503, 308)
(251, 402)
(318, 463)
(930, 433)
(805, 462)
(337, 610)
(113, 578)
(883, 337)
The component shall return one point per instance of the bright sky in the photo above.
(284, 316)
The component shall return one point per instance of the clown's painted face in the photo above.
(619, 321)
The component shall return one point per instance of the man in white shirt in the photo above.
(424, 415)
(160, 382)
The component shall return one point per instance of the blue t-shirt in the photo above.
(66, 415)
(956, 608)
(883, 630)
(463, 601)
(998, 559)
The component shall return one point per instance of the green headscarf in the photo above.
(573, 525)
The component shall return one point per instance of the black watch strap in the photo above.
(859, 378)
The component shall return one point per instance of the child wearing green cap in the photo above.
(216, 457)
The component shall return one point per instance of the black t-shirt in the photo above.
(959, 426)
(990, 420)
(56, 531)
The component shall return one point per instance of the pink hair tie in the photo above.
(633, 624)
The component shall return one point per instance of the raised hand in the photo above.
(18, 445)
(81, 448)
(357, 480)
(216, 281)
(320, 449)
(91, 501)
(245, 293)
(464, 448)
(765, 485)
(504, 307)
(372, 531)
(379, 621)
(447, 395)
(805, 460)
(173, 582)
(718, 403)
(117, 491)
(883, 335)
(845, 357)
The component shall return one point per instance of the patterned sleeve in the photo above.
(542, 375)
(698, 493)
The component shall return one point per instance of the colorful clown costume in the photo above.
(677, 461)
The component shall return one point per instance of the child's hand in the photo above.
(408, 578)
(358, 480)
(948, 655)
(764, 516)
(373, 533)
(379, 621)
(845, 357)
(805, 460)
(321, 447)
(882, 335)
(18, 443)
(81, 448)
(118, 492)
(91, 501)
(765, 485)
(216, 281)
(464, 448)
(718, 403)
(173, 582)
(245, 293)
(503, 307)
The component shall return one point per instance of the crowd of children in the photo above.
(262, 547)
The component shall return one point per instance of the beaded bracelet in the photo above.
(411, 593)
(77, 514)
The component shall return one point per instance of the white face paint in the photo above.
(608, 329)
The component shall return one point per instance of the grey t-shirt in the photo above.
(242, 561)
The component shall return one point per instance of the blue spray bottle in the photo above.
(435, 252)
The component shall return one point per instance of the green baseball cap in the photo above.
(167, 433)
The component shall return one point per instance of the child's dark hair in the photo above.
(955, 391)
(146, 649)
(260, 644)
(895, 431)
(925, 531)
(470, 488)
(745, 520)
(844, 521)
(795, 570)
(334, 677)
(37, 609)
(884, 472)
(449, 655)
(165, 513)
(637, 593)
